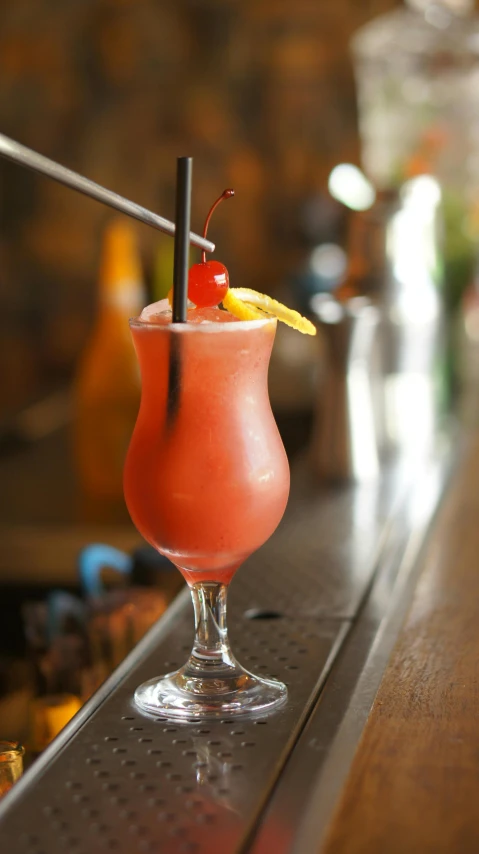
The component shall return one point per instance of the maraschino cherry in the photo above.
(208, 281)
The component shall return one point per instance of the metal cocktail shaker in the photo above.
(344, 438)
(404, 371)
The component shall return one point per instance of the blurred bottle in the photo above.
(417, 74)
(107, 385)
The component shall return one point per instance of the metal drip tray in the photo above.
(128, 782)
(115, 780)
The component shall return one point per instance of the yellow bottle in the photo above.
(107, 385)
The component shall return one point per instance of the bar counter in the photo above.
(366, 603)
(414, 780)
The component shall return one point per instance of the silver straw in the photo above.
(32, 160)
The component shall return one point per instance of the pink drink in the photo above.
(207, 484)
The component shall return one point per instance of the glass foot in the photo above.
(193, 692)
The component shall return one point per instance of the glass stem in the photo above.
(211, 646)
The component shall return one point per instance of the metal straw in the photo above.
(18, 153)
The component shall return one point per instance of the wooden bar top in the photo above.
(414, 782)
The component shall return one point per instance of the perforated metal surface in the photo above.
(324, 554)
(308, 790)
(128, 783)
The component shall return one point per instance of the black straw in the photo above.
(184, 170)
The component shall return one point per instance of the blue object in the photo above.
(93, 558)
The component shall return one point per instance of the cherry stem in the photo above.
(226, 194)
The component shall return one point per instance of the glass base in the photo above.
(189, 693)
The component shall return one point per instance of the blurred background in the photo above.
(350, 134)
(260, 94)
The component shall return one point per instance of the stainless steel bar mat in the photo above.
(115, 780)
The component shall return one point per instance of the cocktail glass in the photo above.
(206, 483)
